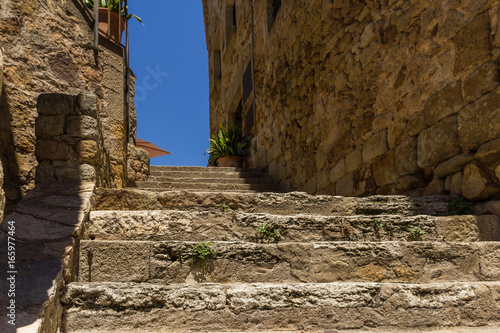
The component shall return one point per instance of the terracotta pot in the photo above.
(231, 161)
(114, 24)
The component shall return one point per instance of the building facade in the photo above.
(362, 97)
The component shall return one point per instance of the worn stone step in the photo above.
(205, 186)
(243, 262)
(165, 168)
(246, 307)
(275, 203)
(207, 175)
(482, 329)
(227, 180)
(240, 226)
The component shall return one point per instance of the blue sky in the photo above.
(169, 57)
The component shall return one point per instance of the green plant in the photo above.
(114, 5)
(460, 206)
(230, 142)
(268, 232)
(225, 208)
(416, 233)
(201, 252)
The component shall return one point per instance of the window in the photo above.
(273, 8)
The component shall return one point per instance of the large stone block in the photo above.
(454, 164)
(87, 105)
(88, 151)
(406, 157)
(82, 127)
(438, 143)
(52, 150)
(384, 169)
(477, 183)
(443, 103)
(76, 173)
(47, 127)
(338, 171)
(473, 43)
(489, 152)
(375, 146)
(481, 81)
(354, 160)
(345, 186)
(479, 122)
(56, 104)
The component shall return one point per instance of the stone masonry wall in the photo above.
(48, 48)
(70, 141)
(363, 97)
(2, 193)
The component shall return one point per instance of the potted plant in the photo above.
(229, 147)
(114, 18)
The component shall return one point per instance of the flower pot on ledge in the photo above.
(114, 18)
(230, 162)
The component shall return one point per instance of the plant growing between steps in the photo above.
(460, 206)
(228, 144)
(201, 252)
(378, 226)
(268, 232)
(225, 208)
(416, 233)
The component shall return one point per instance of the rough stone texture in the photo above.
(478, 122)
(77, 151)
(438, 143)
(239, 226)
(137, 164)
(334, 78)
(49, 221)
(48, 48)
(453, 165)
(324, 306)
(478, 184)
(240, 262)
(2, 193)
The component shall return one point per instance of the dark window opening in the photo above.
(230, 21)
(238, 115)
(247, 82)
(249, 120)
(273, 8)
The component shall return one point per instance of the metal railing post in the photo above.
(96, 28)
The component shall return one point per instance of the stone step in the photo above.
(230, 225)
(246, 307)
(243, 262)
(166, 168)
(274, 203)
(227, 180)
(207, 175)
(205, 186)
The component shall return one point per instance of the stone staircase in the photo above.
(340, 263)
(164, 178)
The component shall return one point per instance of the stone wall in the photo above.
(2, 194)
(70, 141)
(137, 164)
(49, 49)
(365, 97)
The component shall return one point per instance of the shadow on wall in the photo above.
(50, 220)
(9, 156)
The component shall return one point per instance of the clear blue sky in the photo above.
(169, 57)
